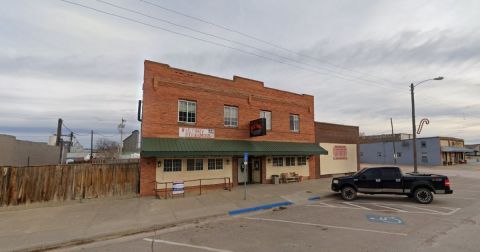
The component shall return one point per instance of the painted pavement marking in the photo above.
(186, 245)
(385, 219)
(354, 205)
(387, 207)
(327, 226)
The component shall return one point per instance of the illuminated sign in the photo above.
(258, 127)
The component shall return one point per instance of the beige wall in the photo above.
(330, 166)
(301, 170)
(190, 175)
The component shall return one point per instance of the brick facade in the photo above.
(163, 86)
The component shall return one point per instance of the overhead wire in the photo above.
(261, 40)
(214, 43)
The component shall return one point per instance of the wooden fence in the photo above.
(23, 185)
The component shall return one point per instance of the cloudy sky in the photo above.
(357, 58)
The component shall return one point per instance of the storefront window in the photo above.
(302, 160)
(278, 161)
(172, 165)
(194, 164)
(290, 161)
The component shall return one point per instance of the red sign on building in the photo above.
(339, 152)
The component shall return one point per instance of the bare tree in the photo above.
(107, 149)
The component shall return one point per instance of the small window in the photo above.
(301, 160)
(172, 165)
(215, 164)
(278, 161)
(230, 116)
(289, 161)
(268, 118)
(194, 164)
(187, 111)
(424, 144)
(424, 157)
(294, 123)
(399, 154)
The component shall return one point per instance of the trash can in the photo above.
(275, 179)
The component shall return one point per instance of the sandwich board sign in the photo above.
(178, 187)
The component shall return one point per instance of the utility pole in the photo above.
(91, 146)
(59, 141)
(393, 142)
(121, 127)
(71, 142)
(414, 129)
(59, 131)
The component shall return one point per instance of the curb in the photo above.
(115, 235)
(260, 207)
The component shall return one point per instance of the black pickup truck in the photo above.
(390, 180)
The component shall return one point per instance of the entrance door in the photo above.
(257, 168)
(242, 171)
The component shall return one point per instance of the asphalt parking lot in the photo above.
(371, 223)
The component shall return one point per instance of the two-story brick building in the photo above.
(199, 126)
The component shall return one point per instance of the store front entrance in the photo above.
(252, 173)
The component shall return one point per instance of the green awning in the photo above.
(182, 147)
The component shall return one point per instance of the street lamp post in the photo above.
(414, 126)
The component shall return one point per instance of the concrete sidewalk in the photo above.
(36, 228)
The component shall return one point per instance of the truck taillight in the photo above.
(447, 182)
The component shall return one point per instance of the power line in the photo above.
(259, 40)
(235, 42)
(214, 43)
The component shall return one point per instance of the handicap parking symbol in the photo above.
(385, 219)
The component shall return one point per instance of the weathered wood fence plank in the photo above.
(24, 185)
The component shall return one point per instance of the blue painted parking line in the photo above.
(385, 219)
(258, 208)
(314, 198)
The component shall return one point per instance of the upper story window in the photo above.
(294, 123)
(268, 117)
(187, 111)
(230, 116)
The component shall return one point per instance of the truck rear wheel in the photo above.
(349, 193)
(423, 195)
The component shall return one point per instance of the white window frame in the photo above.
(217, 164)
(228, 118)
(172, 168)
(296, 122)
(268, 119)
(288, 161)
(302, 160)
(197, 164)
(277, 164)
(189, 104)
